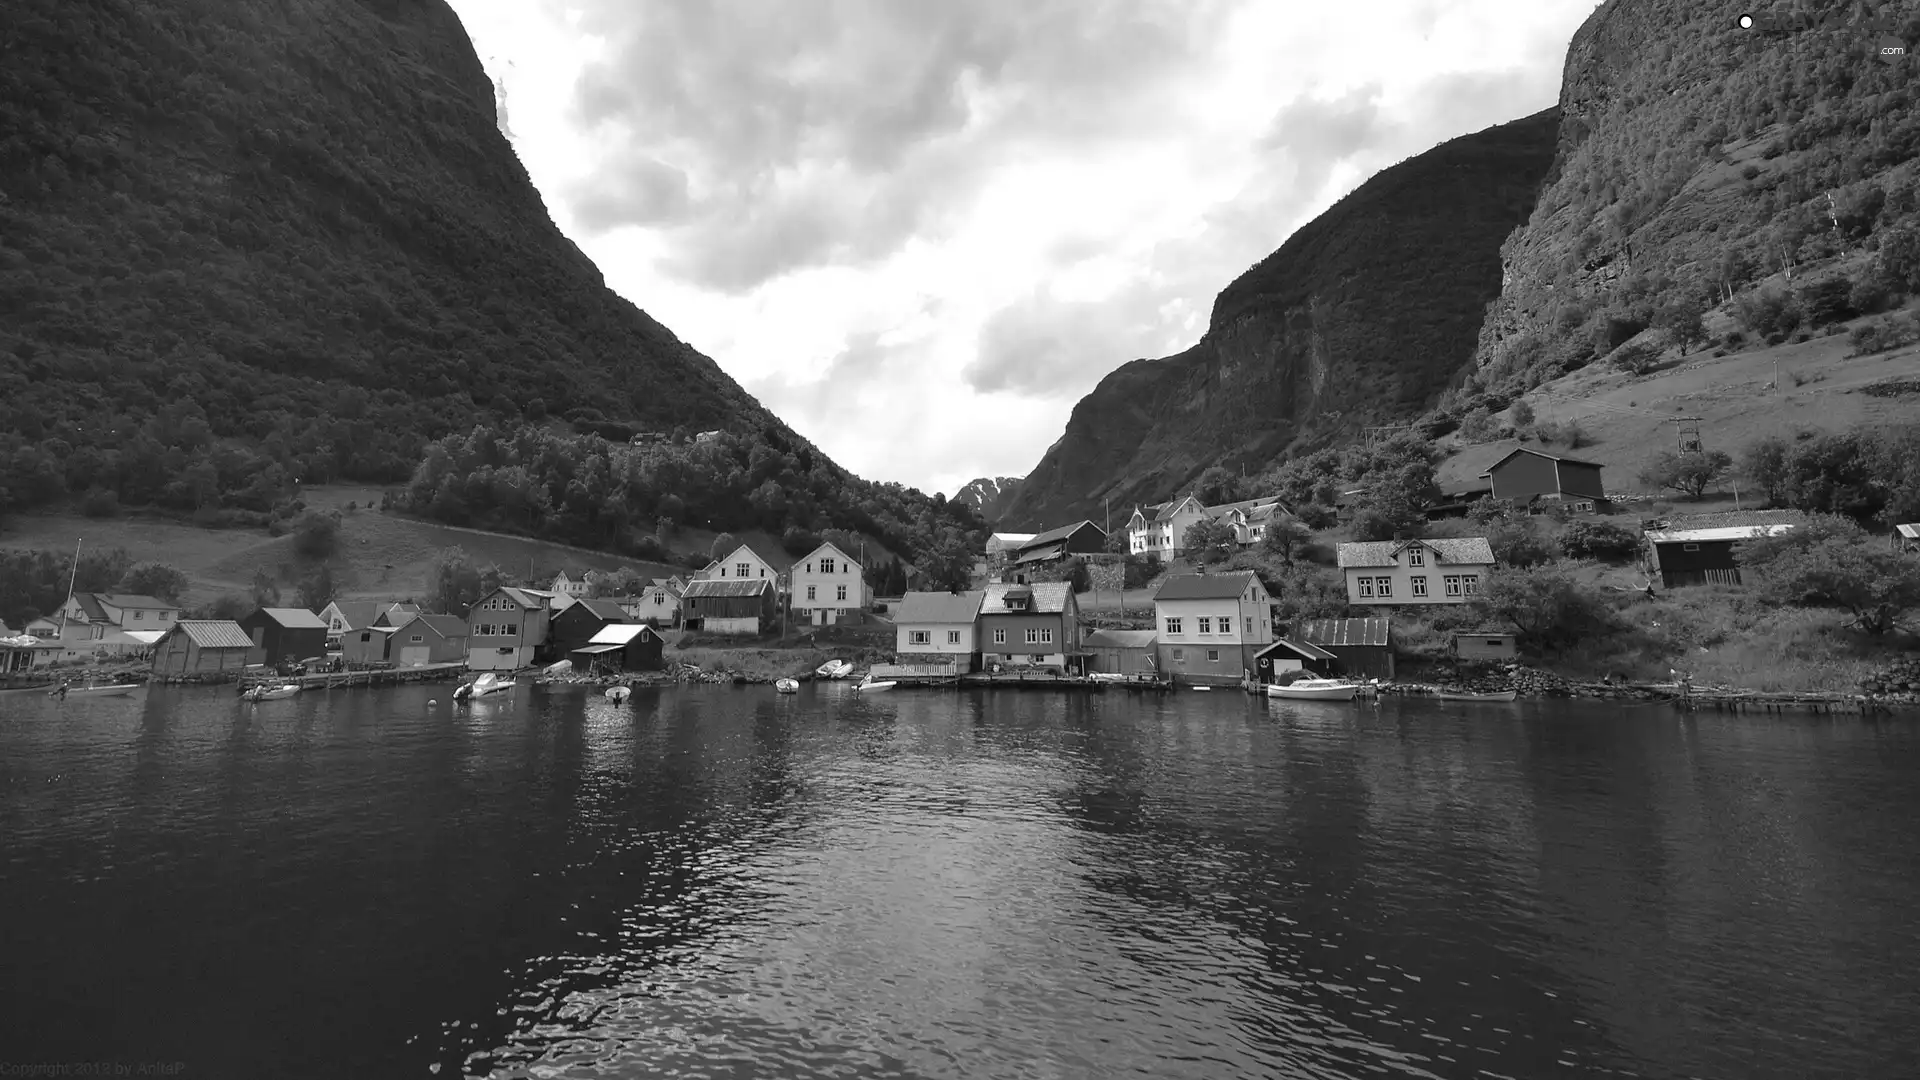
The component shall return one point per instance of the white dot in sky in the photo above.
(1746, 22)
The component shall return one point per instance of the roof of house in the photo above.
(447, 626)
(1343, 632)
(1301, 649)
(214, 633)
(1049, 597)
(1722, 519)
(136, 600)
(1911, 532)
(620, 633)
(1041, 554)
(829, 546)
(727, 587)
(145, 637)
(1527, 450)
(1121, 639)
(1058, 535)
(938, 607)
(1248, 507)
(777, 560)
(526, 598)
(294, 618)
(1463, 550)
(604, 608)
(1165, 511)
(90, 607)
(1712, 536)
(1205, 586)
(1010, 539)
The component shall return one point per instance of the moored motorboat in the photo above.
(617, 694)
(271, 693)
(486, 684)
(834, 669)
(1314, 690)
(869, 685)
(105, 690)
(1495, 695)
(787, 686)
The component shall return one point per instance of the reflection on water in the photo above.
(725, 882)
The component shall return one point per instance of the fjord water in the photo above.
(722, 882)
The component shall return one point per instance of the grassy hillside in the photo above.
(1626, 420)
(1363, 315)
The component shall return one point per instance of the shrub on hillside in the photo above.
(1827, 301)
(100, 503)
(1831, 562)
(1900, 256)
(1681, 320)
(155, 579)
(1599, 540)
(1637, 358)
(1689, 473)
(1769, 313)
(1521, 541)
(1316, 515)
(1285, 538)
(1479, 426)
(1547, 605)
(317, 536)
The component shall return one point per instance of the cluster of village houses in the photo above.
(1207, 628)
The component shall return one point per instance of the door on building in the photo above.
(415, 655)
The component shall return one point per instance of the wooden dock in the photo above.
(366, 677)
(1739, 701)
(1022, 680)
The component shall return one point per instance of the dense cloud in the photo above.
(828, 134)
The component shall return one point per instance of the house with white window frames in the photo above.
(745, 563)
(1212, 626)
(938, 628)
(1415, 572)
(829, 586)
(1030, 625)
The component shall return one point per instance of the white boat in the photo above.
(834, 669)
(869, 685)
(271, 693)
(115, 690)
(488, 683)
(561, 668)
(618, 694)
(1314, 690)
(787, 686)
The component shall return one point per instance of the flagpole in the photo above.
(72, 578)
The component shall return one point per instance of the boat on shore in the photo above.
(97, 690)
(1495, 695)
(787, 686)
(1314, 690)
(270, 693)
(834, 669)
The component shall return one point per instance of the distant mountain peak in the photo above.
(989, 494)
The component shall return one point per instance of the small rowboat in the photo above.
(271, 693)
(787, 686)
(834, 669)
(1314, 690)
(1497, 695)
(869, 686)
(618, 694)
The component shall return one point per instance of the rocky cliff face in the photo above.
(1697, 159)
(988, 495)
(1361, 317)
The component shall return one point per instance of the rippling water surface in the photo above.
(720, 882)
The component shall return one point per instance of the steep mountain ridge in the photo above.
(1698, 159)
(276, 239)
(1363, 316)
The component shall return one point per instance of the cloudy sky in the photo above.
(920, 230)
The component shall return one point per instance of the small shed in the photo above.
(1122, 652)
(731, 606)
(428, 639)
(284, 634)
(202, 646)
(1360, 647)
(1907, 538)
(581, 620)
(1289, 655)
(1704, 556)
(1479, 646)
(369, 646)
(621, 647)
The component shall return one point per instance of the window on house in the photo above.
(1033, 636)
(1416, 557)
(138, 615)
(1420, 586)
(740, 570)
(953, 637)
(415, 637)
(1383, 587)
(1046, 636)
(1173, 626)
(165, 615)
(1470, 583)
(1366, 587)
(1204, 625)
(1689, 547)
(1213, 656)
(826, 566)
(918, 637)
(1452, 583)
(809, 592)
(999, 637)
(843, 593)
(1179, 656)
(366, 637)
